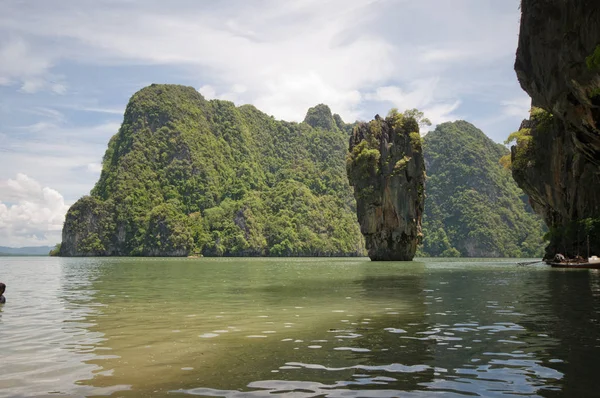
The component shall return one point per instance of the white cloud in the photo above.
(512, 110)
(95, 168)
(19, 60)
(30, 215)
(32, 85)
(441, 55)
(516, 107)
(289, 96)
(440, 113)
(421, 96)
(58, 88)
(67, 157)
(287, 56)
(93, 109)
(232, 93)
(27, 66)
(208, 91)
(48, 113)
(269, 51)
(39, 127)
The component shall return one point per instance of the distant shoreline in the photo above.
(23, 255)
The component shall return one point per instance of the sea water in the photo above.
(255, 327)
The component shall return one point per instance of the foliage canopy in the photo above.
(473, 207)
(186, 175)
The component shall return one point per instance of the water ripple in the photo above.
(81, 327)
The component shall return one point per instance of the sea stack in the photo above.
(386, 168)
(556, 160)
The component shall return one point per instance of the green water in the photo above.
(296, 328)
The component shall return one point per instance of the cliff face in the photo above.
(86, 229)
(185, 175)
(557, 157)
(386, 168)
(473, 208)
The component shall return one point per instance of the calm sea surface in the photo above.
(297, 328)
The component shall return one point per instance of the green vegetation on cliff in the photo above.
(386, 168)
(186, 175)
(473, 207)
(523, 155)
(593, 60)
(559, 180)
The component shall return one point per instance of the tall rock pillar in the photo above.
(386, 168)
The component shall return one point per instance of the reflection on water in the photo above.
(45, 336)
(296, 327)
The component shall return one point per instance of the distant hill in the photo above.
(473, 207)
(25, 251)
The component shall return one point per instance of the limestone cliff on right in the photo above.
(556, 159)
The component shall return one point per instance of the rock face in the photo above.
(386, 168)
(184, 175)
(557, 157)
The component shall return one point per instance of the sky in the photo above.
(68, 68)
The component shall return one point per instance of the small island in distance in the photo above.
(25, 251)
